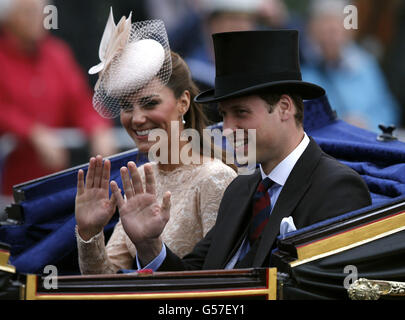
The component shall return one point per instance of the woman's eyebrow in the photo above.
(146, 99)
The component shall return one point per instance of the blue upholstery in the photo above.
(47, 234)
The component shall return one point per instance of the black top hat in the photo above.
(250, 61)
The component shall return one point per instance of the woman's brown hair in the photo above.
(180, 81)
(195, 118)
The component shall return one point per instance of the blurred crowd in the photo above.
(44, 82)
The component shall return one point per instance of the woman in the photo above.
(196, 188)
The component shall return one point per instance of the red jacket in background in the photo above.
(47, 87)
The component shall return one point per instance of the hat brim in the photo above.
(305, 89)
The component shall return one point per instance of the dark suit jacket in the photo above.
(318, 187)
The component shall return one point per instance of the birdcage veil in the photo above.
(135, 57)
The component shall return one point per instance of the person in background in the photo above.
(351, 76)
(41, 88)
(182, 20)
(217, 16)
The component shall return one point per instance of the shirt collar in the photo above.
(281, 172)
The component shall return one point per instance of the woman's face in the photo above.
(151, 109)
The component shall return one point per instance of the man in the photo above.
(256, 89)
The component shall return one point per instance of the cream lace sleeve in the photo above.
(96, 258)
(211, 194)
(196, 195)
(92, 255)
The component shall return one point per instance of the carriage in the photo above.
(357, 255)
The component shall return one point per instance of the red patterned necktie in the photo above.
(260, 210)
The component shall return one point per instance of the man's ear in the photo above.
(286, 107)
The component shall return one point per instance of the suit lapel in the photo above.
(295, 187)
(230, 230)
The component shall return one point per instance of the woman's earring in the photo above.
(182, 119)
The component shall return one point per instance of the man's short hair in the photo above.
(272, 98)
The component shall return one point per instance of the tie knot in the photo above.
(265, 184)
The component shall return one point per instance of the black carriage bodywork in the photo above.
(324, 262)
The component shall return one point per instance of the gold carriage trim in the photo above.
(268, 291)
(350, 238)
(4, 266)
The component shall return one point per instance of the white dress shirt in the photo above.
(279, 176)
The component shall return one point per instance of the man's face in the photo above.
(252, 112)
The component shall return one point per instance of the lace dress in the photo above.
(196, 191)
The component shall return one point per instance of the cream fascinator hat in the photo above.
(133, 56)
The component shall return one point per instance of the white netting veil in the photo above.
(135, 62)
